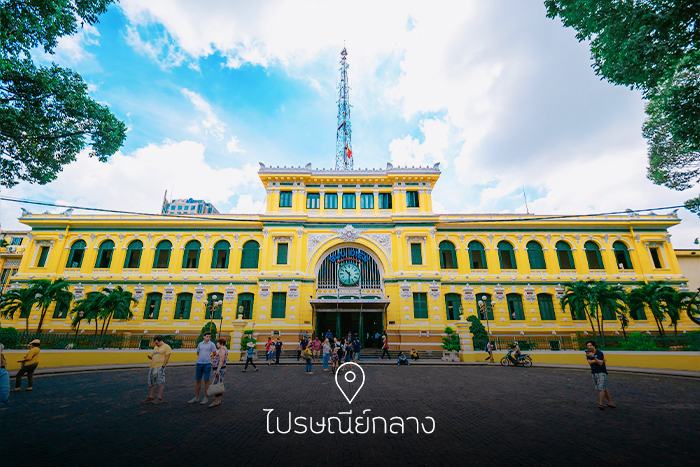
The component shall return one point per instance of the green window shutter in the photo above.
(595, 261)
(61, 310)
(279, 304)
(515, 307)
(622, 256)
(219, 258)
(152, 306)
(348, 200)
(420, 305)
(133, 254)
(245, 300)
(330, 201)
(535, 255)
(282, 249)
(546, 307)
(452, 303)
(566, 259)
(367, 201)
(161, 259)
(183, 306)
(42, 257)
(412, 199)
(384, 200)
(251, 252)
(285, 199)
(416, 254)
(77, 252)
(313, 201)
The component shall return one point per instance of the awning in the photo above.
(345, 305)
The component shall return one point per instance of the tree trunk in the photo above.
(41, 319)
(600, 325)
(658, 325)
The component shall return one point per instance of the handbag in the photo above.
(216, 389)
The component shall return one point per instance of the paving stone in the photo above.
(484, 416)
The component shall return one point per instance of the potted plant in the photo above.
(451, 345)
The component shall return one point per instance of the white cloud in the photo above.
(211, 124)
(232, 145)
(410, 152)
(136, 182)
(246, 205)
(71, 49)
(161, 50)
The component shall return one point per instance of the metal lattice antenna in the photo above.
(343, 145)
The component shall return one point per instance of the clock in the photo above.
(349, 274)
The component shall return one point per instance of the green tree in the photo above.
(209, 327)
(91, 308)
(653, 296)
(451, 341)
(50, 292)
(117, 305)
(577, 296)
(651, 46)
(18, 300)
(46, 115)
(605, 296)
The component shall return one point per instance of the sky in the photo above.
(502, 97)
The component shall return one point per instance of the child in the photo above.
(270, 354)
(403, 360)
(414, 355)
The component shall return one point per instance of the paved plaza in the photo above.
(489, 416)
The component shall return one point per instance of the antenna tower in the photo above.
(343, 145)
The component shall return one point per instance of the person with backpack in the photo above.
(308, 356)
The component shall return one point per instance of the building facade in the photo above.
(187, 206)
(351, 250)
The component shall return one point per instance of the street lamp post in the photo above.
(214, 305)
(484, 309)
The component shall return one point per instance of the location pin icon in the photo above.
(347, 383)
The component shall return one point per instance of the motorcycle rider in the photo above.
(515, 356)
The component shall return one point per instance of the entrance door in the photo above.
(365, 324)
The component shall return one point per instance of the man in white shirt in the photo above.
(203, 367)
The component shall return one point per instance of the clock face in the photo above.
(349, 274)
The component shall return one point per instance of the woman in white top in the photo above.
(326, 354)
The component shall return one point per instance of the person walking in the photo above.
(270, 353)
(334, 357)
(489, 349)
(317, 349)
(356, 347)
(385, 348)
(218, 364)
(329, 335)
(326, 354)
(278, 350)
(29, 364)
(203, 368)
(307, 355)
(267, 349)
(249, 357)
(596, 359)
(348, 350)
(4, 380)
(156, 373)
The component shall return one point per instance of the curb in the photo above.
(438, 363)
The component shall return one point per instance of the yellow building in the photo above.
(351, 250)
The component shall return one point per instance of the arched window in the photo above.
(219, 259)
(477, 256)
(104, 255)
(190, 259)
(506, 255)
(76, 255)
(448, 255)
(211, 299)
(152, 305)
(622, 256)
(452, 303)
(515, 306)
(133, 254)
(566, 259)
(487, 312)
(595, 261)
(245, 300)
(535, 255)
(161, 260)
(249, 258)
(183, 306)
(544, 300)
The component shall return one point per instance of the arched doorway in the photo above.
(350, 297)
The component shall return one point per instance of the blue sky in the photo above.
(504, 98)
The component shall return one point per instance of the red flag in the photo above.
(349, 152)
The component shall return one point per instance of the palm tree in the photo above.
(117, 305)
(692, 307)
(604, 296)
(651, 295)
(15, 300)
(577, 295)
(89, 308)
(49, 292)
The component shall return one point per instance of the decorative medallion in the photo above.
(405, 291)
(293, 291)
(558, 292)
(264, 290)
(79, 291)
(530, 295)
(468, 294)
(434, 290)
(230, 293)
(199, 293)
(169, 293)
(349, 233)
(499, 293)
(138, 292)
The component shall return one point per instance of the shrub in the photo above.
(638, 341)
(247, 337)
(9, 337)
(451, 341)
(478, 332)
(211, 327)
